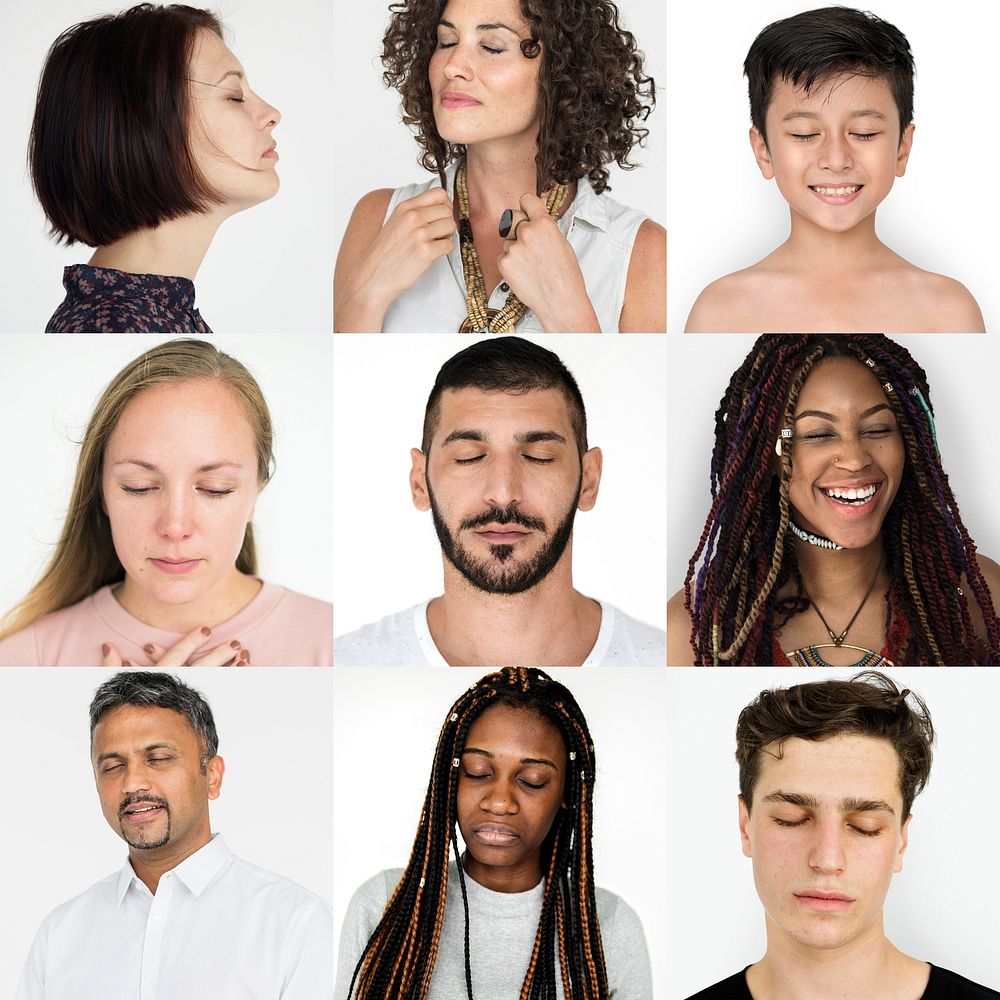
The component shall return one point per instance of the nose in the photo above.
(457, 65)
(826, 853)
(503, 485)
(176, 516)
(835, 153)
(854, 454)
(269, 115)
(135, 778)
(499, 799)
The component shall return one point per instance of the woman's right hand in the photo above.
(372, 272)
(228, 654)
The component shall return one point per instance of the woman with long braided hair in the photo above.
(834, 537)
(516, 915)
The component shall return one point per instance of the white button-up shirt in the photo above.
(218, 928)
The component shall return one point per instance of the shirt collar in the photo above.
(588, 206)
(195, 871)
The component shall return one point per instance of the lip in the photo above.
(175, 566)
(270, 154)
(495, 834)
(824, 901)
(848, 512)
(454, 99)
(153, 812)
(502, 535)
(836, 199)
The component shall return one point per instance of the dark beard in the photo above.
(141, 841)
(510, 576)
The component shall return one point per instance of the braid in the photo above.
(398, 961)
(741, 560)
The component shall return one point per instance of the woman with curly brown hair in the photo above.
(518, 108)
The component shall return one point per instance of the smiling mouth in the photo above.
(853, 497)
(837, 192)
(141, 813)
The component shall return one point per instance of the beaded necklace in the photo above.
(479, 318)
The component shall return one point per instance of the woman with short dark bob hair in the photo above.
(518, 107)
(146, 137)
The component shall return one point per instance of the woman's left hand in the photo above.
(542, 270)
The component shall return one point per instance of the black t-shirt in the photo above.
(942, 985)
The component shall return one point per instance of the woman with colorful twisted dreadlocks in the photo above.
(834, 537)
(516, 915)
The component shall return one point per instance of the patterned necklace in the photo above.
(809, 656)
(480, 319)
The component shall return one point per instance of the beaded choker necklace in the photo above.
(479, 318)
(818, 540)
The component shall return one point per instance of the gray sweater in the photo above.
(502, 927)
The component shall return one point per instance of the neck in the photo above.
(810, 246)
(149, 866)
(870, 965)
(498, 175)
(832, 574)
(175, 248)
(518, 878)
(218, 604)
(551, 624)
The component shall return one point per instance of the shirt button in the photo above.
(504, 287)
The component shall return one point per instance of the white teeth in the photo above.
(861, 495)
(837, 190)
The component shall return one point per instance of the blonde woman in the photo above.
(156, 562)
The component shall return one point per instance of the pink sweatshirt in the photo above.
(280, 628)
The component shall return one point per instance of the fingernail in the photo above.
(105, 649)
(206, 631)
(235, 644)
(149, 648)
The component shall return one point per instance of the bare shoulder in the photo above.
(722, 305)
(679, 651)
(991, 574)
(645, 306)
(948, 305)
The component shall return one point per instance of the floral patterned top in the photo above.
(104, 300)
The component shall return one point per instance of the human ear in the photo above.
(903, 841)
(903, 153)
(216, 769)
(745, 827)
(418, 480)
(590, 483)
(761, 153)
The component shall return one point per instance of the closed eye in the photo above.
(803, 137)
(864, 136)
(468, 461)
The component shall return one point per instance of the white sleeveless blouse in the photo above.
(601, 231)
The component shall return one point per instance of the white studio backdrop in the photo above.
(48, 388)
(723, 216)
(386, 725)
(387, 553)
(961, 370)
(939, 909)
(269, 268)
(275, 810)
(375, 150)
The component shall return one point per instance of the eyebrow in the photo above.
(232, 72)
(814, 116)
(526, 437)
(115, 755)
(480, 27)
(848, 805)
(210, 467)
(829, 416)
(524, 760)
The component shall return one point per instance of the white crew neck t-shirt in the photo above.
(404, 640)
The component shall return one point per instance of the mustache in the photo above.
(503, 515)
(137, 799)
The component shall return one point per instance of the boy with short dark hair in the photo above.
(831, 101)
